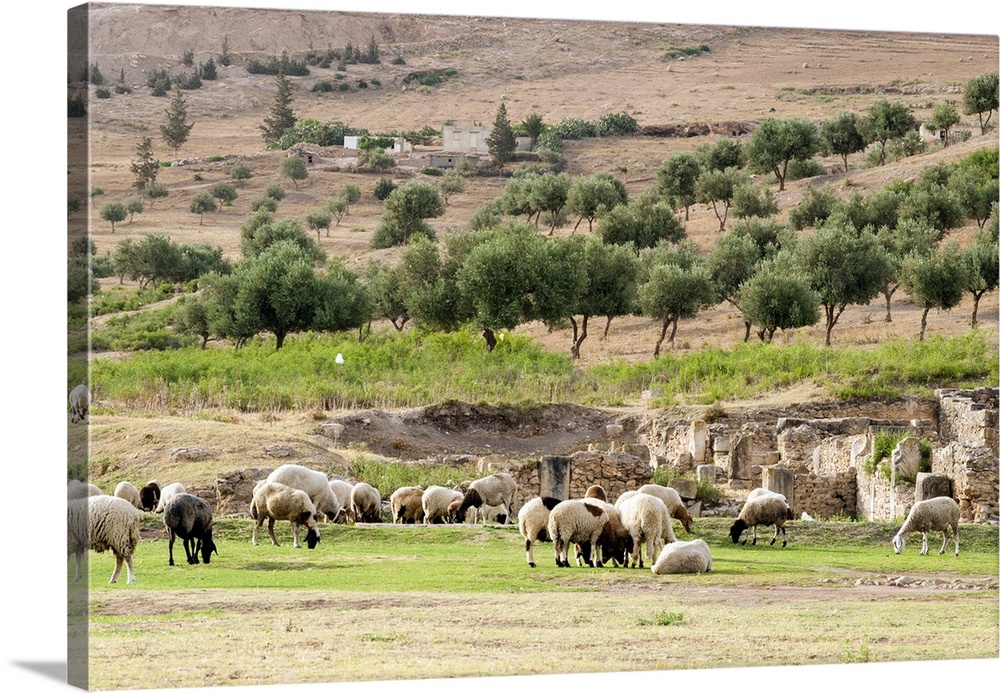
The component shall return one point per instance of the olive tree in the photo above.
(981, 96)
(677, 177)
(591, 196)
(778, 298)
(776, 142)
(944, 117)
(642, 223)
(937, 280)
(225, 193)
(113, 212)
(406, 208)
(612, 273)
(677, 285)
(886, 120)
(983, 261)
(841, 136)
(293, 167)
(844, 267)
(202, 202)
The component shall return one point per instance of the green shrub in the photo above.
(215, 157)
(431, 171)
(344, 86)
(103, 93)
(616, 124)
(383, 188)
(804, 168)
(398, 60)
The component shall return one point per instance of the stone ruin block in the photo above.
(779, 479)
(905, 458)
(706, 473)
(686, 488)
(698, 444)
(932, 485)
(554, 473)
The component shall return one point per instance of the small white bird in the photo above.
(340, 359)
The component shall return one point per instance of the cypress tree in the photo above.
(176, 130)
(281, 117)
(501, 141)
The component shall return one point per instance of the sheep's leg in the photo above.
(295, 533)
(784, 537)
(923, 551)
(119, 560)
(79, 571)
(558, 550)
(131, 570)
(260, 521)
(270, 530)
(172, 537)
(945, 544)
(955, 528)
(528, 551)
(192, 548)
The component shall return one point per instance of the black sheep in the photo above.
(190, 518)
(149, 496)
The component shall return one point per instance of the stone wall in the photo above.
(878, 498)
(973, 471)
(969, 416)
(616, 472)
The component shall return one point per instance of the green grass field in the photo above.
(380, 602)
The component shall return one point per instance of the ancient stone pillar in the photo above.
(706, 473)
(906, 458)
(698, 444)
(781, 480)
(686, 488)
(553, 476)
(932, 485)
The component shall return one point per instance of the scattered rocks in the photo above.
(905, 581)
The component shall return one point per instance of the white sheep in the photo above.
(762, 507)
(103, 523)
(342, 490)
(648, 522)
(435, 502)
(533, 523)
(672, 499)
(275, 501)
(189, 517)
(496, 489)
(129, 492)
(168, 492)
(684, 557)
(79, 402)
(592, 524)
(75, 490)
(596, 491)
(934, 514)
(406, 504)
(315, 483)
(366, 503)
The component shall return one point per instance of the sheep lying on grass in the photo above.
(406, 504)
(648, 522)
(533, 523)
(933, 514)
(435, 502)
(168, 492)
(190, 518)
(366, 503)
(79, 402)
(672, 499)
(762, 507)
(684, 557)
(149, 496)
(496, 489)
(315, 483)
(103, 523)
(129, 492)
(275, 501)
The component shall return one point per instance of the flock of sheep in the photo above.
(637, 528)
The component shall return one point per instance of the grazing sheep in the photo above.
(933, 514)
(533, 523)
(435, 501)
(315, 483)
(149, 496)
(596, 491)
(592, 524)
(684, 557)
(366, 503)
(496, 489)
(672, 499)
(129, 492)
(75, 490)
(762, 507)
(342, 490)
(615, 542)
(168, 492)
(487, 513)
(406, 505)
(190, 518)
(275, 501)
(79, 402)
(648, 522)
(102, 523)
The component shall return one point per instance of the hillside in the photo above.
(557, 69)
